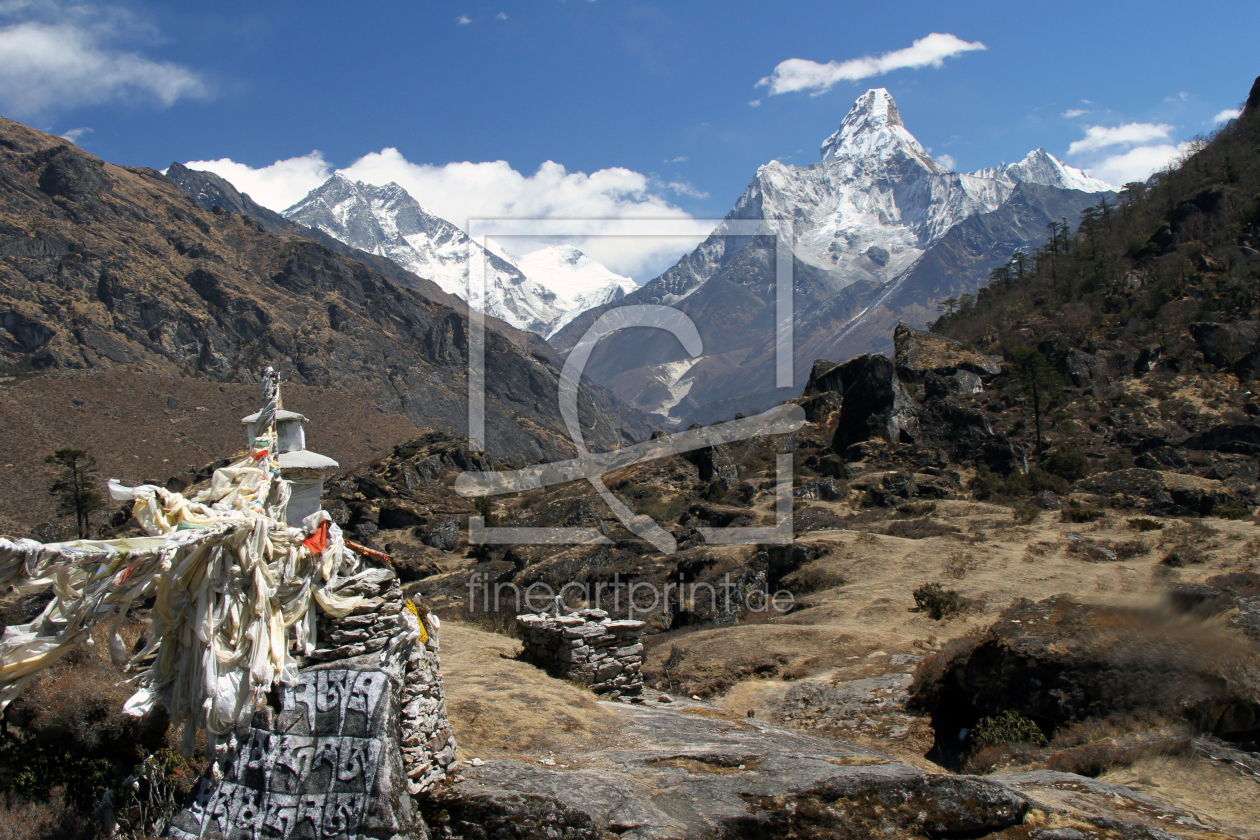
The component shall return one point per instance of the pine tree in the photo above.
(1036, 379)
(73, 488)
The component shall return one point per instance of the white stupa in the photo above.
(303, 469)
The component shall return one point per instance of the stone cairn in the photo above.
(588, 648)
(428, 743)
(364, 721)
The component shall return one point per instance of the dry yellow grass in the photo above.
(500, 707)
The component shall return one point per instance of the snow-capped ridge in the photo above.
(387, 221)
(1041, 167)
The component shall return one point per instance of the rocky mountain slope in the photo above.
(106, 267)
(868, 225)
(210, 190)
(558, 285)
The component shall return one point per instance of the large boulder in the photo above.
(1234, 347)
(714, 463)
(920, 353)
(876, 405)
(672, 774)
(824, 377)
(1079, 368)
(966, 433)
(1059, 660)
(1236, 438)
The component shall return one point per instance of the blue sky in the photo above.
(610, 107)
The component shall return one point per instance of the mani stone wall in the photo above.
(588, 648)
(362, 730)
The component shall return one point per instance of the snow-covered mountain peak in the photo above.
(579, 282)
(875, 106)
(540, 292)
(873, 130)
(567, 254)
(1041, 167)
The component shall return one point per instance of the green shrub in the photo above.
(1131, 548)
(1081, 515)
(1010, 727)
(919, 529)
(1182, 557)
(1230, 510)
(937, 601)
(988, 486)
(1026, 514)
(1067, 462)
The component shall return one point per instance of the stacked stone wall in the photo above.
(588, 648)
(428, 743)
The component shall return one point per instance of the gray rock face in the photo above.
(1079, 368)
(1234, 347)
(876, 404)
(679, 775)
(444, 535)
(1120, 810)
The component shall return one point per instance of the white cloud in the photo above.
(74, 134)
(1129, 152)
(278, 186)
(1101, 136)
(1073, 113)
(756, 103)
(683, 188)
(1137, 164)
(1227, 115)
(66, 63)
(802, 74)
(679, 159)
(463, 20)
(947, 161)
(464, 190)
(501, 16)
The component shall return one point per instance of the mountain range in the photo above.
(881, 233)
(541, 293)
(115, 268)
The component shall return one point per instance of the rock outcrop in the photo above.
(920, 353)
(1163, 492)
(1059, 660)
(677, 775)
(876, 405)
